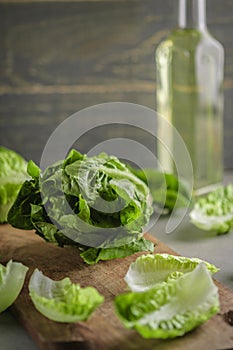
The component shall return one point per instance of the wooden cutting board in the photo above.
(103, 330)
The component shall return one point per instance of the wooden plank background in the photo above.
(57, 57)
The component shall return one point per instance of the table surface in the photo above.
(185, 239)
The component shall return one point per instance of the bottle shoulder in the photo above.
(215, 43)
(189, 39)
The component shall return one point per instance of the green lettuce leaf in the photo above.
(13, 173)
(62, 301)
(19, 214)
(167, 191)
(214, 212)
(93, 255)
(148, 270)
(170, 309)
(12, 277)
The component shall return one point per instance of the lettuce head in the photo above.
(96, 203)
(13, 173)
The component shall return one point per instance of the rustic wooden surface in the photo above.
(57, 57)
(103, 330)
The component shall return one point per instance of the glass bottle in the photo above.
(189, 65)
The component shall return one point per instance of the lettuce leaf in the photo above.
(214, 211)
(170, 309)
(148, 270)
(13, 173)
(12, 277)
(62, 301)
(167, 191)
(93, 255)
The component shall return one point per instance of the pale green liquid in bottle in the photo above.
(189, 95)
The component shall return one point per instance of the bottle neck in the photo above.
(192, 14)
